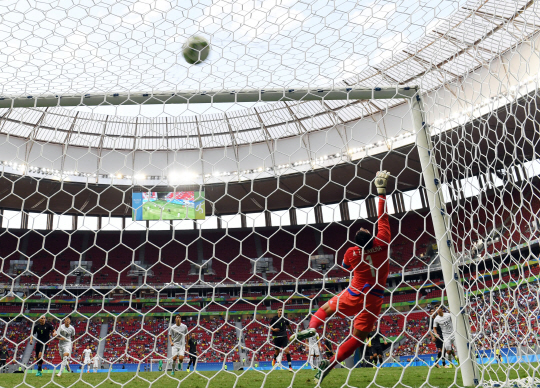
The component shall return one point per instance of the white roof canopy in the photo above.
(467, 39)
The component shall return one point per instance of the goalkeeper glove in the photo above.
(381, 179)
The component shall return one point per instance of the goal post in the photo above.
(441, 223)
(209, 97)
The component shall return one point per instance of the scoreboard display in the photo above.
(178, 205)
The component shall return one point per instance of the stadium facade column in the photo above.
(447, 254)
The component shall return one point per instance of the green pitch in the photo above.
(384, 377)
(163, 210)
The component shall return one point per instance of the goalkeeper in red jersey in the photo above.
(369, 263)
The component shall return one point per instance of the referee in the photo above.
(436, 337)
(278, 327)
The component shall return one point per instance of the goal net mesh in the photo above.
(136, 188)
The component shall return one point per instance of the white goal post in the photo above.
(447, 253)
(209, 97)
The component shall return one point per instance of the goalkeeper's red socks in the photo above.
(317, 319)
(345, 351)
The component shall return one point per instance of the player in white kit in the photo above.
(66, 334)
(95, 362)
(444, 321)
(87, 356)
(177, 337)
(314, 352)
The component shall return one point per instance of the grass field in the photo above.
(384, 377)
(164, 210)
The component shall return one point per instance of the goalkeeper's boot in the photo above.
(172, 373)
(303, 335)
(39, 373)
(322, 371)
(188, 370)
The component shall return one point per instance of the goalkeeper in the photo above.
(363, 298)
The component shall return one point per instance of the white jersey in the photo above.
(95, 360)
(445, 323)
(314, 344)
(178, 334)
(87, 353)
(67, 334)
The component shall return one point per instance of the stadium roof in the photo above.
(468, 39)
(349, 180)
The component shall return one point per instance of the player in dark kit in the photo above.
(42, 331)
(376, 347)
(328, 349)
(368, 358)
(369, 264)
(4, 355)
(436, 337)
(192, 344)
(278, 328)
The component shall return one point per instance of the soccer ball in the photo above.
(196, 50)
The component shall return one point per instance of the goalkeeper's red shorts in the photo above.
(365, 308)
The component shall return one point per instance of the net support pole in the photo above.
(441, 224)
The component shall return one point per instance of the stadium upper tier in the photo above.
(163, 258)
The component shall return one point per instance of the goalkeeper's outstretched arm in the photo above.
(383, 235)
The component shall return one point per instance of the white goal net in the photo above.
(192, 220)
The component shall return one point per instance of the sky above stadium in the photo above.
(61, 47)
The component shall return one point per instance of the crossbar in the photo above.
(210, 97)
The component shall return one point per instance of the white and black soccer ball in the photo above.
(196, 50)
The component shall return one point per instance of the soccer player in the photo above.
(42, 331)
(376, 347)
(278, 326)
(177, 337)
(444, 321)
(368, 360)
(498, 354)
(4, 355)
(66, 334)
(436, 336)
(192, 344)
(368, 261)
(95, 362)
(314, 352)
(87, 355)
(328, 349)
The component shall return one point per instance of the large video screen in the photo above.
(178, 205)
